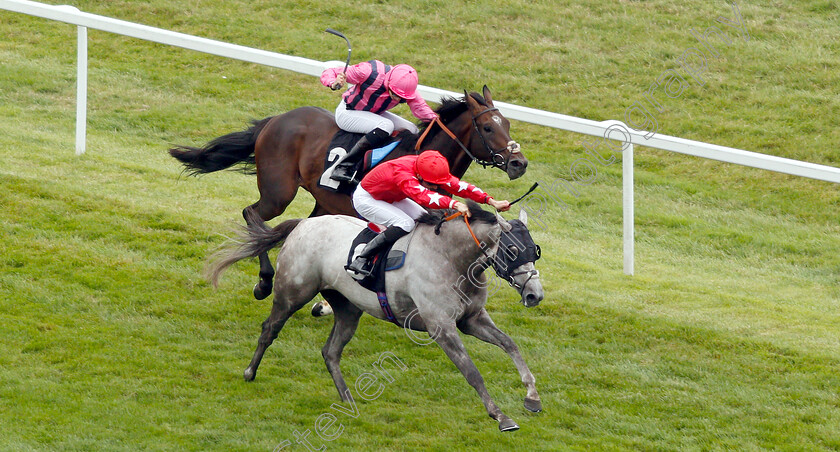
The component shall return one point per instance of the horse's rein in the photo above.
(467, 222)
(445, 129)
(512, 147)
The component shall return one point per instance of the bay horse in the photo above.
(290, 151)
(422, 293)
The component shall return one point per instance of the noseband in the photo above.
(519, 287)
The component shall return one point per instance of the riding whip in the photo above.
(533, 187)
(349, 50)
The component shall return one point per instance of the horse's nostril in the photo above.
(518, 164)
(530, 299)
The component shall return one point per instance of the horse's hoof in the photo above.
(250, 374)
(262, 289)
(321, 309)
(533, 405)
(507, 425)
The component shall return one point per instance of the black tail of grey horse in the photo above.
(423, 297)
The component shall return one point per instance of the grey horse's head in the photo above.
(515, 250)
(516, 258)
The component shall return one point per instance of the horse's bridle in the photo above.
(528, 254)
(519, 287)
(502, 162)
(520, 257)
(496, 158)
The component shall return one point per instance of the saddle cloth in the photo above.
(385, 260)
(340, 144)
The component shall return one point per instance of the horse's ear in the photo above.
(487, 97)
(523, 217)
(471, 103)
(506, 227)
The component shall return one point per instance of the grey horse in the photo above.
(515, 263)
(440, 289)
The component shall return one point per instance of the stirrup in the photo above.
(357, 273)
(344, 174)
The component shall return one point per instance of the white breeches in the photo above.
(364, 121)
(400, 214)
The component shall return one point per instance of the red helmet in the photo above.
(402, 80)
(433, 167)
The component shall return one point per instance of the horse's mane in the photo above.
(450, 108)
(477, 215)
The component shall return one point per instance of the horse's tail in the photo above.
(223, 152)
(257, 238)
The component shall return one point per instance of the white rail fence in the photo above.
(605, 129)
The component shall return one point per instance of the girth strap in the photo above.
(386, 308)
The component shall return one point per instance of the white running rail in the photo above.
(630, 137)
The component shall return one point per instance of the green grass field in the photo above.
(727, 337)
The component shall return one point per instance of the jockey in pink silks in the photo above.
(376, 88)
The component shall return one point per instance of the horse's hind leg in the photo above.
(263, 287)
(273, 202)
(286, 302)
(482, 327)
(317, 211)
(321, 308)
(346, 320)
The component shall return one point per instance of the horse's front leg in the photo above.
(263, 287)
(482, 327)
(448, 339)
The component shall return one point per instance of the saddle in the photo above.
(385, 260)
(342, 142)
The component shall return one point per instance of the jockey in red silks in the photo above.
(394, 193)
(376, 88)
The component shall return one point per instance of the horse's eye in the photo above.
(513, 252)
(487, 128)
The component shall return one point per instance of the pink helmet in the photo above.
(402, 80)
(433, 167)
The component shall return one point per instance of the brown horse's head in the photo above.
(493, 144)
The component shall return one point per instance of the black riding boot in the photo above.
(385, 238)
(350, 164)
